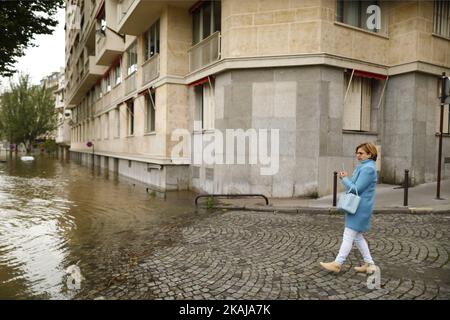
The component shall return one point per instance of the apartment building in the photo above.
(62, 136)
(327, 74)
(51, 82)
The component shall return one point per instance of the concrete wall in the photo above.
(410, 121)
(285, 27)
(430, 48)
(164, 178)
(178, 40)
(259, 27)
(305, 104)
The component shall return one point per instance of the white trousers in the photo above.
(351, 235)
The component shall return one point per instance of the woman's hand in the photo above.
(343, 174)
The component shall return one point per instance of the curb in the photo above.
(332, 210)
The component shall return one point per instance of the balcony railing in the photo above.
(204, 52)
(150, 69)
(130, 83)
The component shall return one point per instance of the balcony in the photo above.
(205, 52)
(59, 103)
(63, 132)
(150, 69)
(135, 16)
(108, 47)
(130, 83)
(88, 76)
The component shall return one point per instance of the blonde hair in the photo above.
(369, 148)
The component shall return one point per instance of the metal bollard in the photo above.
(334, 188)
(406, 186)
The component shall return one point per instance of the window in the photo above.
(151, 41)
(441, 18)
(357, 103)
(108, 82)
(130, 117)
(354, 13)
(98, 88)
(98, 122)
(91, 95)
(206, 20)
(204, 107)
(117, 121)
(103, 87)
(117, 74)
(101, 21)
(132, 59)
(106, 126)
(198, 124)
(150, 112)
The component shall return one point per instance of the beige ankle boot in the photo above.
(362, 268)
(331, 266)
(371, 268)
(366, 268)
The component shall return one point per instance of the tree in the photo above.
(20, 21)
(27, 112)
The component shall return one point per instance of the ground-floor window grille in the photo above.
(204, 106)
(357, 103)
(150, 113)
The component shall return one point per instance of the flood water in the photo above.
(55, 213)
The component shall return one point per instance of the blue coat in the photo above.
(364, 178)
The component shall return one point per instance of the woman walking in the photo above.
(363, 180)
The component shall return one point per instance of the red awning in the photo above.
(366, 74)
(195, 6)
(145, 91)
(198, 82)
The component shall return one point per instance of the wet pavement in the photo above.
(258, 255)
(130, 244)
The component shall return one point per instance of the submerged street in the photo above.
(132, 244)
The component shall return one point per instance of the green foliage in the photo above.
(210, 203)
(49, 145)
(20, 21)
(26, 112)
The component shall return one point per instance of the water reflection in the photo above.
(54, 214)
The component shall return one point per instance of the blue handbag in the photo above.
(349, 202)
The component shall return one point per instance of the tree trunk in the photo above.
(27, 147)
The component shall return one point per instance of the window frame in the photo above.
(214, 24)
(132, 51)
(441, 8)
(150, 117)
(365, 113)
(148, 35)
(118, 71)
(130, 118)
(342, 13)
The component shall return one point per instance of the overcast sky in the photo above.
(46, 57)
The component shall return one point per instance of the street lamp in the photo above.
(445, 99)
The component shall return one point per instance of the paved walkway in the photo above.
(266, 255)
(422, 199)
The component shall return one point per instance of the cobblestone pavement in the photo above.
(258, 255)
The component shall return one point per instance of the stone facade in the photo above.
(265, 64)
